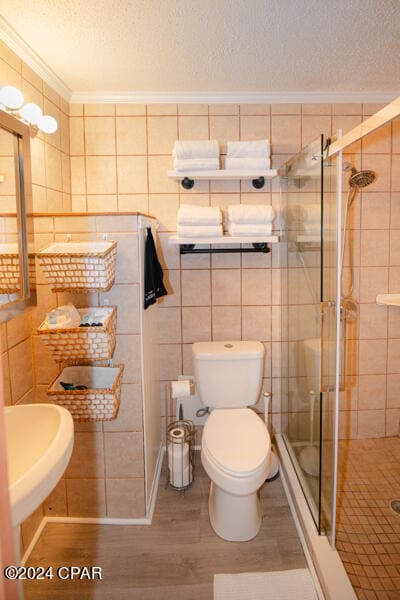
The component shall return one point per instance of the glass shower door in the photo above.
(309, 323)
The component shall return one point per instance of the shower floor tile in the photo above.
(368, 529)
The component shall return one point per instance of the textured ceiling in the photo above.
(214, 45)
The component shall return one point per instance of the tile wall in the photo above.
(105, 477)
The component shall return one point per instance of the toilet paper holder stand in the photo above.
(181, 440)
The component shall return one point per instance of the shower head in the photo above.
(360, 179)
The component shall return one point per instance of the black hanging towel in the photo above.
(153, 274)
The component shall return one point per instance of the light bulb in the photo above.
(31, 113)
(11, 97)
(47, 124)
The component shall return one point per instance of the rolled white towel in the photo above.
(251, 213)
(190, 231)
(254, 163)
(196, 149)
(249, 229)
(311, 213)
(190, 214)
(196, 164)
(258, 148)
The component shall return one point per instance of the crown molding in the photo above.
(231, 97)
(14, 41)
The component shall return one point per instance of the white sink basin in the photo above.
(39, 441)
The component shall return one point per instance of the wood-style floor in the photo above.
(174, 558)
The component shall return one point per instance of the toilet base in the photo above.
(234, 518)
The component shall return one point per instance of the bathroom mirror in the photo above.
(17, 259)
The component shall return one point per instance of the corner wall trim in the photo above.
(14, 41)
(231, 97)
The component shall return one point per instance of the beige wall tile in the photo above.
(172, 282)
(224, 109)
(373, 281)
(374, 248)
(371, 423)
(162, 109)
(128, 109)
(226, 287)
(100, 135)
(285, 109)
(129, 417)
(132, 174)
(193, 128)
(21, 372)
(170, 361)
(128, 301)
(373, 321)
(87, 458)
(393, 365)
(395, 179)
(78, 176)
(380, 163)
(6, 379)
(393, 391)
(101, 175)
(127, 352)
(169, 325)
(196, 324)
(102, 203)
(254, 127)
(55, 504)
(53, 168)
(256, 323)
(256, 286)
(125, 498)
(396, 136)
(371, 392)
(86, 497)
(193, 109)
(372, 357)
(123, 454)
(131, 135)
(162, 132)
(226, 323)
(29, 527)
(196, 288)
(223, 129)
(379, 141)
(255, 109)
(133, 202)
(164, 208)
(316, 109)
(392, 421)
(375, 211)
(159, 183)
(286, 134)
(347, 109)
(18, 329)
(76, 110)
(99, 110)
(78, 203)
(312, 127)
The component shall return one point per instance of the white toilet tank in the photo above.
(228, 374)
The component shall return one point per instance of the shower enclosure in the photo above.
(313, 355)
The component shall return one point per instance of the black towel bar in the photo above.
(257, 247)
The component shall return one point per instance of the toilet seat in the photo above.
(237, 442)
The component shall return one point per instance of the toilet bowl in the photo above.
(236, 451)
(236, 446)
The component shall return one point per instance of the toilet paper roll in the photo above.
(179, 465)
(180, 389)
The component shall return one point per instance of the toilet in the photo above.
(236, 446)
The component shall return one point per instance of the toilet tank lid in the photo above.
(228, 350)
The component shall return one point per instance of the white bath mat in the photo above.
(295, 584)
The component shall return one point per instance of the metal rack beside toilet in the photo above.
(181, 438)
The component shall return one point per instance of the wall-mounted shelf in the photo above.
(388, 299)
(188, 178)
(259, 243)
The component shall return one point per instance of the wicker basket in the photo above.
(73, 266)
(100, 402)
(82, 344)
(10, 271)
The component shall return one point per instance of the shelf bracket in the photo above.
(187, 183)
(257, 247)
(258, 183)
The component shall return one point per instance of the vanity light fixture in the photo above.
(12, 102)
